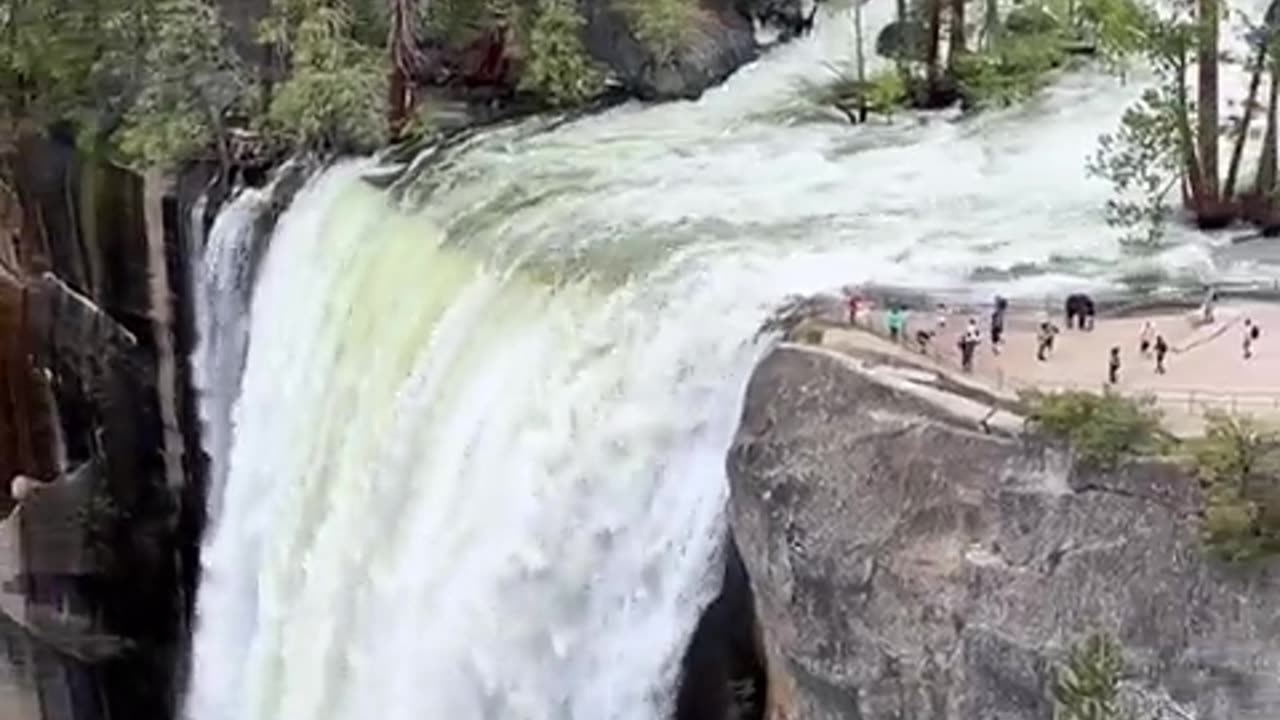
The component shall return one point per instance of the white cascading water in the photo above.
(477, 465)
(222, 275)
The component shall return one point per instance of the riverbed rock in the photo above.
(722, 40)
(906, 564)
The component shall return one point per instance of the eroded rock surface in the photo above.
(905, 564)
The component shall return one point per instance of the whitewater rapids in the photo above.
(474, 468)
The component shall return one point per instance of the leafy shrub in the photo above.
(1087, 687)
(1238, 463)
(883, 92)
(1103, 429)
(663, 26)
(1013, 69)
(559, 68)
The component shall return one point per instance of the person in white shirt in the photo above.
(1146, 337)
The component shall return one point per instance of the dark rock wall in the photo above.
(90, 331)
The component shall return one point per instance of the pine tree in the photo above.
(1087, 688)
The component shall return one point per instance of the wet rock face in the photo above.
(84, 279)
(906, 566)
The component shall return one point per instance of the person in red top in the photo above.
(853, 309)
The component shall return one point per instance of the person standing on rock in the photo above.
(853, 309)
(1145, 337)
(1044, 339)
(1113, 366)
(1162, 349)
(968, 344)
(896, 321)
(1251, 334)
(997, 324)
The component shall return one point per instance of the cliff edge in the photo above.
(909, 560)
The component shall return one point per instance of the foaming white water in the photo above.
(477, 468)
(459, 492)
(222, 283)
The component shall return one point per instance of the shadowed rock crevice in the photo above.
(722, 674)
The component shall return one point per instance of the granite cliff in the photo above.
(913, 555)
(100, 468)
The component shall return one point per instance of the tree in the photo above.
(1137, 158)
(1257, 66)
(559, 67)
(1208, 200)
(1087, 687)
(955, 38)
(406, 61)
(1238, 463)
(333, 94)
(191, 84)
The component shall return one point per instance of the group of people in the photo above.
(1080, 311)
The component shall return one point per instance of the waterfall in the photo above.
(475, 463)
(222, 273)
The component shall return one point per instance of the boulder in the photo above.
(722, 41)
(906, 564)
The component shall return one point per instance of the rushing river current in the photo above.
(471, 464)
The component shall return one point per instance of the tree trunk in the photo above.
(860, 60)
(904, 44)
(1207, 108)
(397, 103)
(933, 73)
(1186, 141)
(1265, 182)
(955, 38)
(991, 24)
(1246, 117)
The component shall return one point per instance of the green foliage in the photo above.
(1147, 157)
(1015, 67)
(664, 26)
(191, 83)
(1034, 20)
(559, 68)
(1116, 27)
(336, 90)
(1087, 687)
(883, 92)
(67, 59)
(1103, 429)
(1238, 463)
(1143, 162)
(457, 22)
